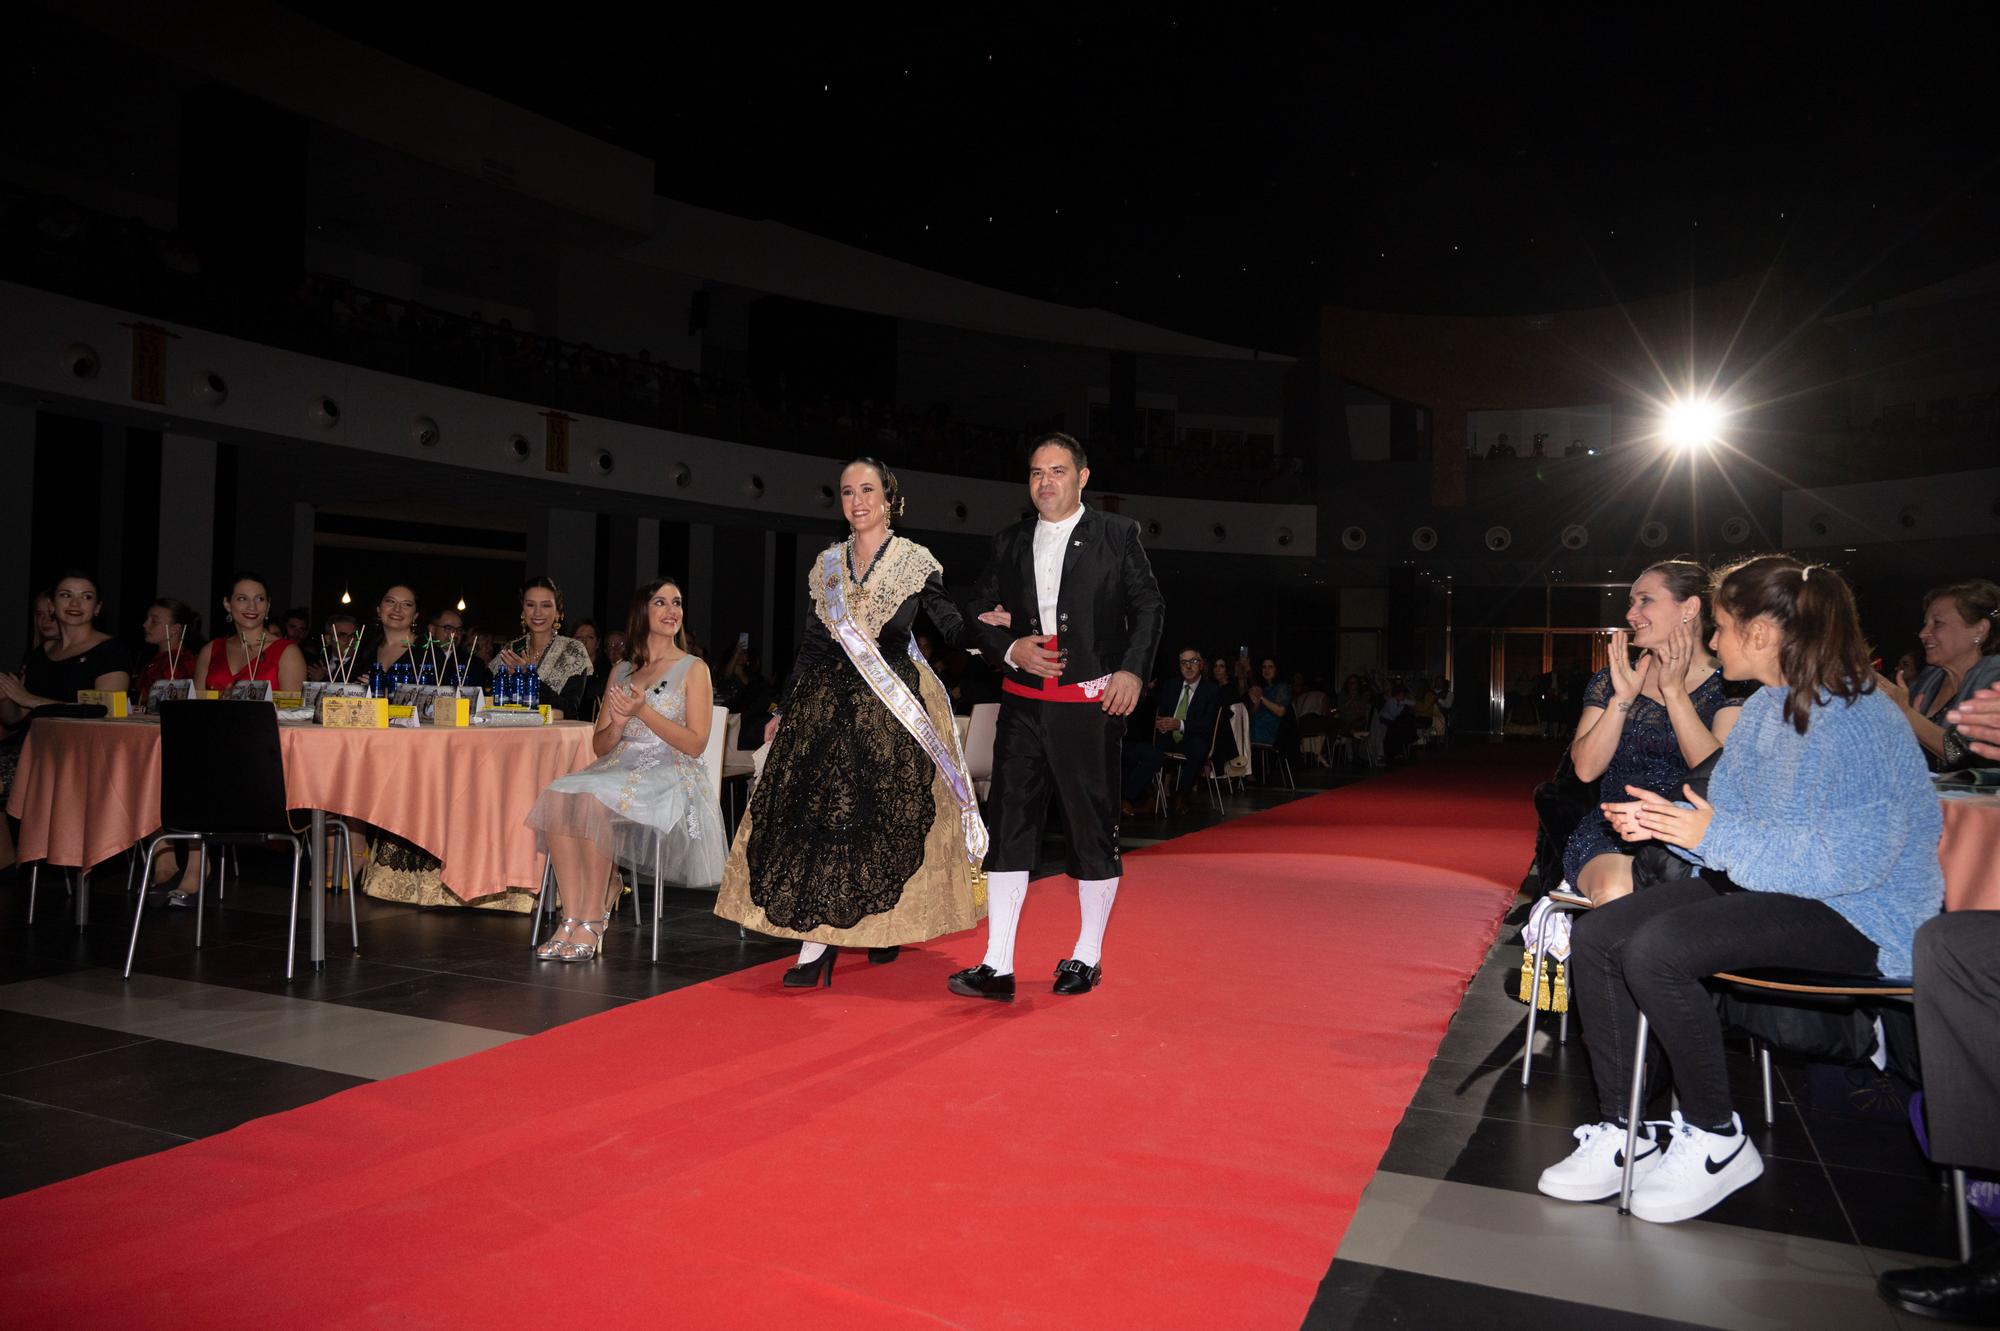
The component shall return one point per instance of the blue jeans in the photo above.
(1649, 952)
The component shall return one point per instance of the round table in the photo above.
(86, 790)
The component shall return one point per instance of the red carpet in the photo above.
(1181, 1148)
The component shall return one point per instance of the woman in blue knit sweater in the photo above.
(1819, 837)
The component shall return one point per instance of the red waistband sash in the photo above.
(1054, 690)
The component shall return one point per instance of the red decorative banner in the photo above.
(149, 363)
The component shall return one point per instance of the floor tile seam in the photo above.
(100, 1118)
(281, 1003)
(133, 1043)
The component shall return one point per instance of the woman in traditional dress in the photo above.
(649, 781)
(561, 664)
(863, 830)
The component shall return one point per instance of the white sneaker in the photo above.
(1700, 1169)
(1596, 1168)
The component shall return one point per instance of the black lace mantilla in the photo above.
(839, 820)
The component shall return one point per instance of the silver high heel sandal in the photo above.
(575, 951)
(553, 949)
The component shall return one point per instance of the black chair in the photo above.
(1774, 983)
(222, 782)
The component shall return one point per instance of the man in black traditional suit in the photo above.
(1078, 581)
(1183, 723)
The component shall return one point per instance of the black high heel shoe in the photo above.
(809, 975)
(882, 956)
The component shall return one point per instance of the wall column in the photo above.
(187, 516)
(17, 531)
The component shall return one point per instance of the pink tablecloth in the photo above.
(86, 790)
(1970, 853)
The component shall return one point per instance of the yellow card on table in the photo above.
(354, 713)
(113, 701)
(291, 702)
(449, 712)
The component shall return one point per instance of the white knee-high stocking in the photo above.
(1094, 896)
(1005, 894)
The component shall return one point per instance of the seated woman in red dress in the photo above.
(248, 648)
(173, 631)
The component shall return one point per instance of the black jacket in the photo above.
(1199, 724)
(1109, 611)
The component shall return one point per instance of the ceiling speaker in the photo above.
(424, 432)
(1653, 534)
(211, 388)
(323, 412)
(1735, 531)
(1425, 539)
(1498, 539)
(1354, 538)
(1575, 536)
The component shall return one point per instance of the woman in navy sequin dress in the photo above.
(1647, 725)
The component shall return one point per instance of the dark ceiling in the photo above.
(1227, 169)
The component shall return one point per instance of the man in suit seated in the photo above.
(1184, 723)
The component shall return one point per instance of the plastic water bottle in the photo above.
(375, 689)
(503, 686)
(531, 687)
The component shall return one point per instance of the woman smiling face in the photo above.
(538, 610)
(248, 604)
(398, 610)
(75, 603)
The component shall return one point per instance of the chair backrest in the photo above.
(979, 740)
(221, 768)
(734, 733)
(718, 733)
(1239, 726)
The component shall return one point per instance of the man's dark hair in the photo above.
(1061, 440)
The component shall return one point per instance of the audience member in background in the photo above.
(82, 656)
(396, 622)
(297, 624)
(1354, 708)
(649, 780)
(1817, 846)
(173, 630)
(1961, 638)
(561, 663)
(341, 630)
(1270, 703)
(1393, 727)
(447, 629)
(1181, 720)
(1242, 675)
(1958, 1001)
(1651, 724)
(594, 683)
(1909, 665)
(743, 689)
(1222, 674)
(614, 645)
(42, 622)
(245, 648)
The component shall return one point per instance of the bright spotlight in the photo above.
(1692, 422)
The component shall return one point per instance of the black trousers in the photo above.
(1649, 952)
(1958, 1032)
(1065, 751)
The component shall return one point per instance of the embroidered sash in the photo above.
(906, 707)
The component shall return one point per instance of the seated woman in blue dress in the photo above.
(649, 780)
(1648, 725)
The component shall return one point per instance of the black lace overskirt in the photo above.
(840, 816)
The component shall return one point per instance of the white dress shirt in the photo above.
(1051, 544)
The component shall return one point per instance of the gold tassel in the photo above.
(1542, 996)
(1562, 989)
(1527, 973)
(979, 889)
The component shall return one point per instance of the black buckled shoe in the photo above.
(1073, 977)
(1965, 1293)
(982, 981)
